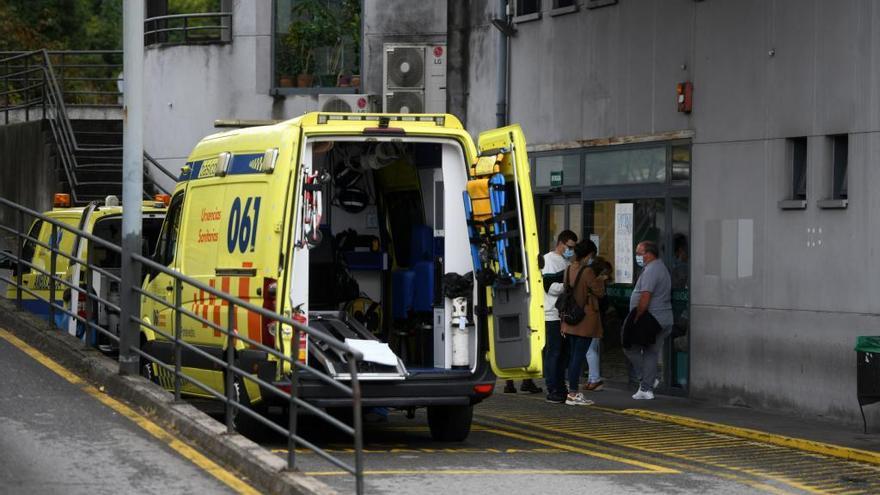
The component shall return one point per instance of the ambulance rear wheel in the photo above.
(450, 423)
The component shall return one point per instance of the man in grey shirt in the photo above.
(651, 294)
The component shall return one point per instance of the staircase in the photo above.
(89, 152)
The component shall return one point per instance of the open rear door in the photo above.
(507, 249)
(76, 270)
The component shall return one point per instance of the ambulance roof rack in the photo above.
(438, 120)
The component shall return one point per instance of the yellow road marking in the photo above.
(484, 472)
(676, 461)
(762, 436)
(153, 429)
(653, 468)
(425, 450)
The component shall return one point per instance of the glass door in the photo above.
(665, 221)
(560, 213)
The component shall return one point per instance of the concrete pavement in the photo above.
(56, 437)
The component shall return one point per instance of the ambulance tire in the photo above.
(450, 423)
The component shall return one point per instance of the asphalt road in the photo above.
(56, 438)
(521, 444)
(497, 458)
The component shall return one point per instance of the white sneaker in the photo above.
(643, 395)
(577, 400)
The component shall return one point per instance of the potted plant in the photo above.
(286, 66)
(314, 26)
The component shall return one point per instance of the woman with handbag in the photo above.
(582, 322)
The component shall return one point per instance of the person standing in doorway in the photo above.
(602, 269)
(555, 352)
(587, 289)
(652, 295)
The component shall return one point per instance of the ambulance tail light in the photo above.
(270, 326)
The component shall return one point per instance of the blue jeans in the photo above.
(578, 346)
(593, 361)
(555, 351)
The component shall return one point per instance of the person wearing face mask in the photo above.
(555, 350)
(651, 298)
(587, 288)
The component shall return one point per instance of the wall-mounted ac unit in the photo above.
(348, 103)
(414, 78)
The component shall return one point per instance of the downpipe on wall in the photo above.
(503, 25)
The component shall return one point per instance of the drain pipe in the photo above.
(501, 104)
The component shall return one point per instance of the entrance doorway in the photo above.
(665, 221)
(653, 182)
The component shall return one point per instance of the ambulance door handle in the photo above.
(169, 288)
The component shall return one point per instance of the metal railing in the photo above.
(188, 29)
(29, 85)
(234, 407)
(85, 77)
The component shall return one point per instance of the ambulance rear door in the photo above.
(75, 272)
(515, 297)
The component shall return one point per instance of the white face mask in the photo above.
(640, 260)
(568, 253)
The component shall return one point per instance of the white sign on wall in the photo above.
(623, 243)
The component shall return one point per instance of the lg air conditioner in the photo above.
(348, 103)
(414, 78)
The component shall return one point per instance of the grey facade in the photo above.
(777, 296)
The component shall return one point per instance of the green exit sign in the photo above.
(556, 178)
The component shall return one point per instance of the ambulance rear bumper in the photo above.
(419, 389)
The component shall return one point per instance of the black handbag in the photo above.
(570, 311)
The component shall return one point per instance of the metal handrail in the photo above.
(107, 78)
(233, 406)
(152, 161)
(55, 112)
(156, 31)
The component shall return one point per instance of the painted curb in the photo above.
(265, 470)
(828, 449)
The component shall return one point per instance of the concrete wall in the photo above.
(779, 329)
(27, 171)
(27, 176)
(188, 87)
(778, 296)
(397, 21)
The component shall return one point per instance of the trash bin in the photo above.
(867, 373)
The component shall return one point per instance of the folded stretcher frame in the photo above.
(485, 203)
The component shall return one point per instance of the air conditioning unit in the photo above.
(414, 78)
(348, 103)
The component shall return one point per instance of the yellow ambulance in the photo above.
(431, 237)
(101, 220)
